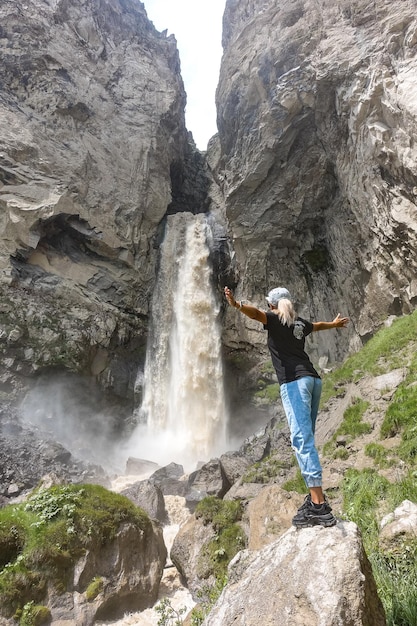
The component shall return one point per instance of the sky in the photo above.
(197, 26)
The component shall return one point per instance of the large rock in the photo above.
(209, 480)
(186, 554)
(311, 577)
(399, 527)
(129, 569)
(148, 497)
(270, 514)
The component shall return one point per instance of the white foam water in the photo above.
(183, 416)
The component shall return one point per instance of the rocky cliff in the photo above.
(93, 154)
(316, 158)
(311, 179)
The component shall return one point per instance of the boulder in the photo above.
(210, 480)
(310, 577)
(269, 515)
(234, 465)
(399, 526)
(168, 479)
(186, 553)
(149, 497)
(127, 573)
(137, 467)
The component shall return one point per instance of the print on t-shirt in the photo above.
(298, 329)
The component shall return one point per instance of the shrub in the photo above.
(219, 513)
(207, 597)
(34, 615)
(12, 537)
(94, 588)
(168, 615)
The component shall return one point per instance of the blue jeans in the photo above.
(300, 400)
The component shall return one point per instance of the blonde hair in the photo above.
(286, 311)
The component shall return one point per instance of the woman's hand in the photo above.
(340, 322)
(229, 297)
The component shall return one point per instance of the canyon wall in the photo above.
(311, 180)
(93, 154)
(316, 157)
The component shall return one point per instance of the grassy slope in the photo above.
(378, 459)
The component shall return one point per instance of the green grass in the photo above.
(401, 417)
(362, 493)
(388, 346)
(264, 471)
(296, 484)
(379, 454)
(269, 394)
(396, 579)
(42, 538)
(217, 553)
(352, 426)
(367, 496)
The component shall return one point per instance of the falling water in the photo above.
(183, 415)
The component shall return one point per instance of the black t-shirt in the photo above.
(286, 345)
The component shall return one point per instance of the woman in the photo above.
(300, 387)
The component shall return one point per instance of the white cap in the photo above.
(279, 293)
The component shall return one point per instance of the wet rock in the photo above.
(210, 480)
(168, 480)
(149, 497)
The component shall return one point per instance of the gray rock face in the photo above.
(186, 554)
(93, 153)
(315, 158)
(310, 577)
(149, 497)
(92, 123)
(130, 570)
(27, 456)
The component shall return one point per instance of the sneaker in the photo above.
(305, 504)
(310, 515)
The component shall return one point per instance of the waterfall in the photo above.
(183, 415)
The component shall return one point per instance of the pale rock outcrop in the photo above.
(315, 158)
(310, 577)
(269, 515)
(399, 527)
